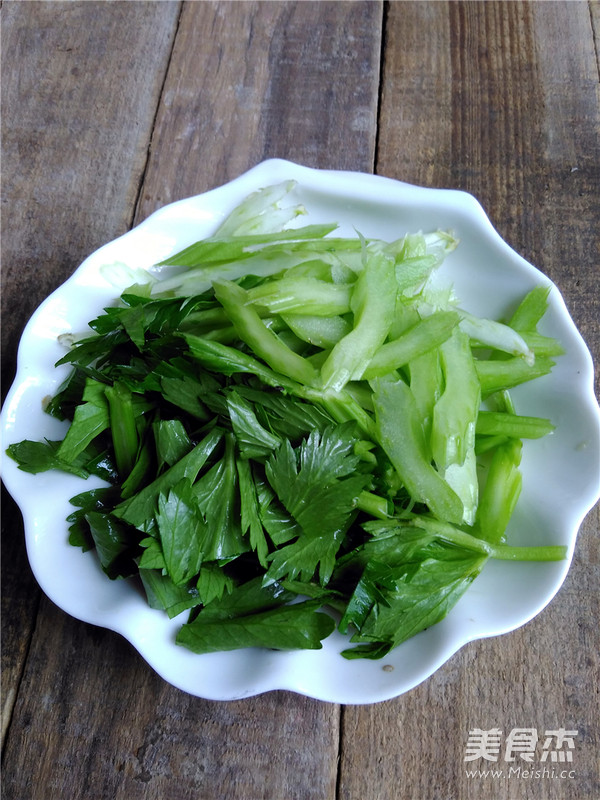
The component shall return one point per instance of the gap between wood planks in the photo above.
(138, 197)
(384, 19)
(10, 698)
(594, 10)
(339, 778)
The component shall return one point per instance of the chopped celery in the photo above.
(490, 333)
(425, 335)
(286, 412)
(261, 212)
(531, 309)
(401, 436)
(500, 492)
(494, 376)
(498, 423)
(324, 332)
(122, 426)
(453, 422)
(217, 250)
(255, 334)
(426, 384)
(373, 303)
(455, 413)
(302, 296)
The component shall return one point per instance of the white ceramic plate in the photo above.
(561, 480)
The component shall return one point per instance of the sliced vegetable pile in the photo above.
(285, 415)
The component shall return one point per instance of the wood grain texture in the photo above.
(75, 131)
(77, 115)
(499, 99)
(291, 80)
(93, 721)
(114, 109)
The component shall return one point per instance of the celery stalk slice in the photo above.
(419, 339)
(252, 330)
(401, 436)
(373, 304)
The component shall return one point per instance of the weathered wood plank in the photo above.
(277, 79)
(246, 81)
(93, 721)
(500, 99)
(77, 116)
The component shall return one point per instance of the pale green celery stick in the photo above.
(199, 279)
(496, 375)
(496, 335)
(499, 423)
(422, 337)
(230, 361)
(203, 322)
(401, 436)
(500, 492)
(373, 305)
(302, 296)
(323, 332)
(406, 315)
(257, 212)
(418, 255)
(545, 346)
(323, 247)
(504, 402)
(530, 310)
(464, 480)
(453, 423)
(225, 249)
(426, 383)
(236, 258)
(374, 505)
(547, 552)
(344, 408)
(455, 413)
(412, 272)
(266, 344)
(226, 333)
(326, 266)
(342, 269)
(311, 267)
(452, 535)
(483, 444)
(361, 392)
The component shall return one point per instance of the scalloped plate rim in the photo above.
(289, 671)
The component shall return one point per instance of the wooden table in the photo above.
(111, 110)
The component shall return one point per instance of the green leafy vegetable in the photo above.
(294, 425)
